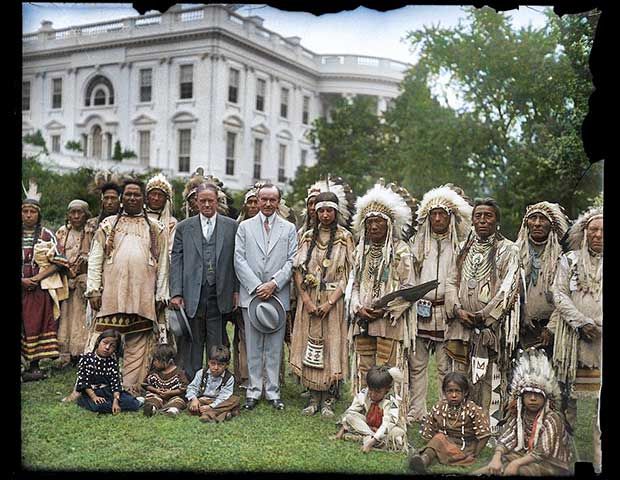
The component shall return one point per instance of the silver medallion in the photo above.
(472, 283)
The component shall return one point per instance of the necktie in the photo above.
(267, 227)
(209, 228)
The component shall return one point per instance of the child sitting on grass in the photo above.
(99, 379)
(534, 441)
(373, 418)
(456, 428)
(165, 384)
(210, 394)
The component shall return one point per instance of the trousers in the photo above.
(207, 328)
(418, 374)
(264, 351)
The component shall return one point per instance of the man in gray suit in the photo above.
(264, 250)
(202, 277)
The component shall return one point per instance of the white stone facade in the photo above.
(71, 75)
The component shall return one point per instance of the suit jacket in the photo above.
(187, 263)
(255, 264)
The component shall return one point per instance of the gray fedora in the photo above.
(267, 316)
(178, 323)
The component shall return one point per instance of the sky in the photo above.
(347, 32)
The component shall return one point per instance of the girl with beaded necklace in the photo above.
(456, 428)
(319, 354)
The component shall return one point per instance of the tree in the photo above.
(523, 95)
(428, 143)
(350, 144)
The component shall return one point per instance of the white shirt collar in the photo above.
(204, 219)
(270, 219)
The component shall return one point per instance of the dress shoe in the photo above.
(277, 404)
(250, 403)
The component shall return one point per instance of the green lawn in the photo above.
(57, 436)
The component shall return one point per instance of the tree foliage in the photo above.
(493, 109)
(351, 144)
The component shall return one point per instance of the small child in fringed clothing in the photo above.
(456, 428)
(210, 394)
(165, 384)
(99, 379)
(534, 441)
(374, 416)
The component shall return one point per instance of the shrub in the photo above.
(118, 154)
(73, 145)
(128, 154)
(36, 139)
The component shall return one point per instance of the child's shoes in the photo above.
(171, 412)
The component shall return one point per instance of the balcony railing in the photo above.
(190, 18)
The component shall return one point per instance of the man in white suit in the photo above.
(265, 246)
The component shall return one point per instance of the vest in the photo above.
(208, 259)
(203, 380)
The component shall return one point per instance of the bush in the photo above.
(128, 154)
(36, 139)
(73, 145)
(118, 154)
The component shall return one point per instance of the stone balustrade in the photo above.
(203, 17)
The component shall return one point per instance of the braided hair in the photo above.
(333, 228)
(109, 245)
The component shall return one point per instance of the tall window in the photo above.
(56, 143)
(258, 153)
(233, 85)
(304, 156)
(145, 147)
(187, 81)
(261, 89)
(305, 115)
(230, 152)
(284, 103)
(57, 93)
(282, 163)
(185, 141)
(146, 81)
(25, 96)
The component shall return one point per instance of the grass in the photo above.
(57, 436)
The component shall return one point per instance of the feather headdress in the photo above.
(386, 203)
(103, 177)
(32, 193)
(455, 205)
(553, 249)
(198, 178)
(342, 190)
(576, 233)
(160, 182)
(533, 373)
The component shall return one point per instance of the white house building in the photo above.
(199, 86)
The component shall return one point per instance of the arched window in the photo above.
(104, 95)
(99, 97)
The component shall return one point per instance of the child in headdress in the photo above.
(456, 428)
(165, 384)
(374, 416)
(534, 441)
